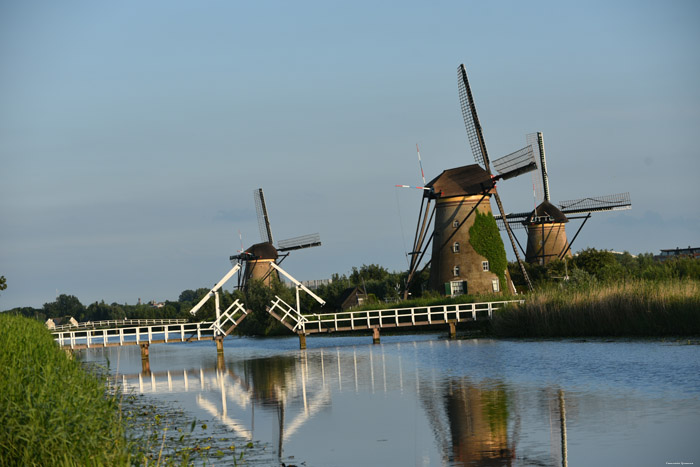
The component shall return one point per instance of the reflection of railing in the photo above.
(86, 338)
(118, 323)
(398, 317)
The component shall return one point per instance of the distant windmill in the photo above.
(546, 233)
(456, 266)
(258, 258)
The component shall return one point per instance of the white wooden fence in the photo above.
(118, 323)
(161, 333)
(396, 317)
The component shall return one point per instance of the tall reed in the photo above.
(632, 308)
(53, 412)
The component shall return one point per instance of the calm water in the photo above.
(424, 400)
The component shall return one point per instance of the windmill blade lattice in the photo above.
(541, 182)
(297, 243)
(471, 120)
(263, 219)
(617, 202)
(515, 220)
(515, 163)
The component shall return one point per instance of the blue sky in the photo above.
(132, 134)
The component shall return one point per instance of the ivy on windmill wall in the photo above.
(485, 238)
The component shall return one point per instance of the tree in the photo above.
(3, 283)
(65, 305)
(595, 262)
(371, 272)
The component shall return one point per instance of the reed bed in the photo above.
(52, 411)
(632, 308)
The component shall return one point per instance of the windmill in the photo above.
(259, 257)
(545, 225)
(462, 205)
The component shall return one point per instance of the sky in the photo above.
(132, 134)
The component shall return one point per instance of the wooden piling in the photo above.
(219, 344)
(375, 335)
(453, 329)
(145, 362)
(302, 341)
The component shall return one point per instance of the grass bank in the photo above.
(53, 412)
(633, 308)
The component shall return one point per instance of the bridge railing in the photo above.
(413, 316)
(117, 323)
(134, 335)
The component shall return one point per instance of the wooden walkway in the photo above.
(381, 319)
(302, 325)
(135, 335)
(116, 323)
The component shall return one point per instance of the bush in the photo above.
(52, 412)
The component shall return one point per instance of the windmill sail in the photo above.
(263, 219)
(541, 182)
(297, 243)
(515, 220)
(515, 163)
(616, 202)
(471, 120)
(478, 146)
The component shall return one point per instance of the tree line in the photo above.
(589, 266)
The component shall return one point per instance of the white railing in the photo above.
(118, 323)
(415, 316)
(134, 335)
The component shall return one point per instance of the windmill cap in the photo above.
(461, 181)
(263, 250)
(548, 211)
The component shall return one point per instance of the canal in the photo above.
(428, 401)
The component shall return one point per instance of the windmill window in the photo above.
(485, 266)
(455, 271)
(455, 247)
(455, 223)
(496, 286)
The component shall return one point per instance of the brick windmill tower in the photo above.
(258, 258)
(468, 255)
(546, 224)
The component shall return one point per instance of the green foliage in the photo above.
(485, 238)
(52, 412)
(65, 305)
(373, 272)
(591, 266)
(637, 307)
(258, 298)
(3, 283)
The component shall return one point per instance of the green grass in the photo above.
(633, 308)
(52, 411)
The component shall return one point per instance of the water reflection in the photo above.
(473, 423)
(421, 403)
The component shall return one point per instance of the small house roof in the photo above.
(546, 212)
(461, 181)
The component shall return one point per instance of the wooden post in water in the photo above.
(453, 329)
(219, 344)
(375, 335)
(302, 341)
(145, 362)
